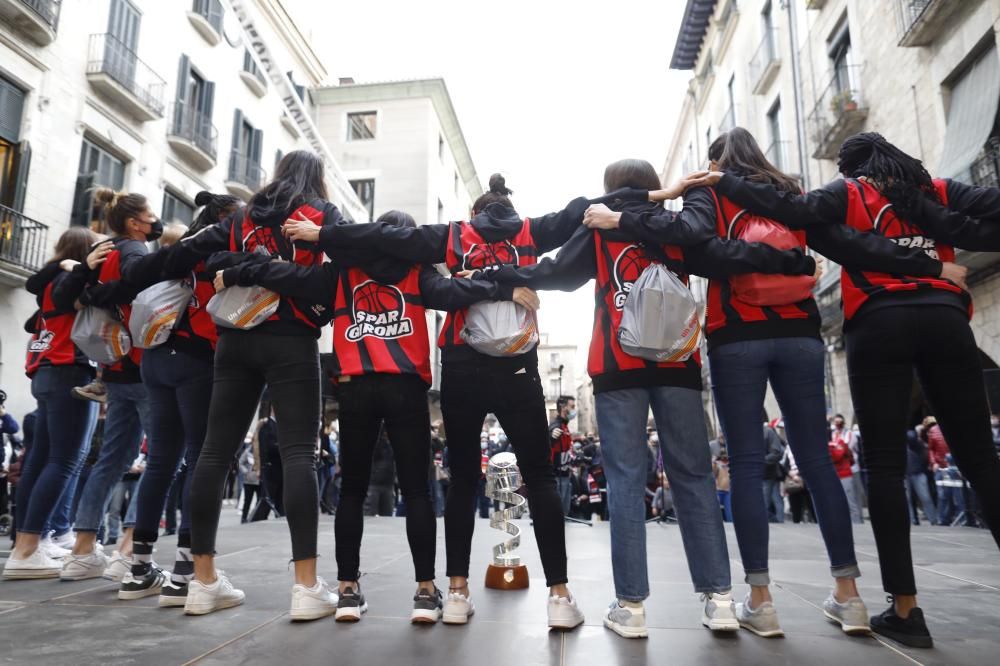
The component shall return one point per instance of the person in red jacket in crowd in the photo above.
(843, 459)
(936, 445)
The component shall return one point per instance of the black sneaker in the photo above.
(173, 594)
(139, 585)
(911, 631)
(427, 607)
(351, 605)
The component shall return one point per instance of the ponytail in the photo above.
(215, 206)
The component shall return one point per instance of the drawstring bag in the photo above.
(500, 328)
(156, 311)
(660, 318)
(768, 290)
(101, 336)
(243, 307)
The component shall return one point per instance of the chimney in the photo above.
(346, 80)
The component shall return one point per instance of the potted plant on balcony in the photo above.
(843, 102)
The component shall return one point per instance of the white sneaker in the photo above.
(203, 599)
(82, 567)
(65, 541)
(118, 566)
(564, 613)
(36, 565)
(457, 609)
(762, 620)
(626, 621)
(312, 603)
(852, 615)
(719, 613)
(53, 550)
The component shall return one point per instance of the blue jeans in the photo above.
(61, 433)
(774, 504)
(565, 488)
(726, 504)
(126, 420)
(680, 421)
(917, 483)
(123, 490)
(951, 499)
(794, 366)
(180, 390)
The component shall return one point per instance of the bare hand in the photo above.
(678, 189)
(300, 228)
(527, 298)
(218, 282)
(818, 273)
(599, 216)
(99, 254)
(464, 274)
(68, 265)
(955, 274)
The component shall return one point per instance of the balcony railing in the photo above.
(921, 21)
(211, 11)
(47, 10)
(22, 246)
(777, 154)
(765, 63)
(245, 174)
(728, 121)
(840, 111)
(191, 132)
(38, 19)
(116, 70)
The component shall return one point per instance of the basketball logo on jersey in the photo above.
(902, 233)
(378, 312)
(489, 256)
(42, 343)
(262, 238)
(629, 265)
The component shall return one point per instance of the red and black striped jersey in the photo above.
(869, 211)
(50, 343)
(380, 327)
(196, 332)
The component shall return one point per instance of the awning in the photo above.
(971, 116)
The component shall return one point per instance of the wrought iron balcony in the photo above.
(36, 19)
(765, 63)
(115, 71)
(23, 242)
(206, 17)
(921, 21)
(192, 134)
(840, 111)
(245, 175)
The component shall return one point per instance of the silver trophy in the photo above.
(502, 481)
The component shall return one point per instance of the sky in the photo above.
(548, 93)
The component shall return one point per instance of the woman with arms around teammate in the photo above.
(626, 387)
(280, 353)
(895, 324)
(474, 384)
(62, 434)
(382, 365)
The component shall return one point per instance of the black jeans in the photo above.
(249, 491)
(179, 386)
(244, 363)
(399, 401)
(883, 349)
(511, 390)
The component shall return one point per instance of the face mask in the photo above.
(482, 445)
(571, 415)
(155, 231)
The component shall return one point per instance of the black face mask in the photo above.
(155, 231)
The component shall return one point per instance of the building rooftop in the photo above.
(697, 15)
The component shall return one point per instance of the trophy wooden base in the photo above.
(506, 578)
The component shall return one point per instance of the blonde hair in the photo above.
(172, 233)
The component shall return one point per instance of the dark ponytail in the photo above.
(900, 177)
(215, 207)
(498, 193)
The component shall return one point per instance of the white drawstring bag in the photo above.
(500, 328)
(242, 307)
(101, 336)
(660, 318)
(157, 310)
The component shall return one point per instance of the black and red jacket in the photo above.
(196, 333)
(247, 232)
(883, 255)
(496, 236)
(50, 343)
(561, 446)
(616, 258)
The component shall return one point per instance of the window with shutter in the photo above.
(11, 110)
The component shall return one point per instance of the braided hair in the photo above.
(216, 206)
(900, 177)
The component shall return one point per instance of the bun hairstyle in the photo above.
(119, 207)
(215, 207)
(498, 193)
(901, 178)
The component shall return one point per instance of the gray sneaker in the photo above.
(426, 607)
(852, 615)
(762, 620)
(626, 621)
(350, 605)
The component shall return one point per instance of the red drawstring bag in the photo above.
(758, 288)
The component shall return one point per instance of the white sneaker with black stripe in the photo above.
(138, 586)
